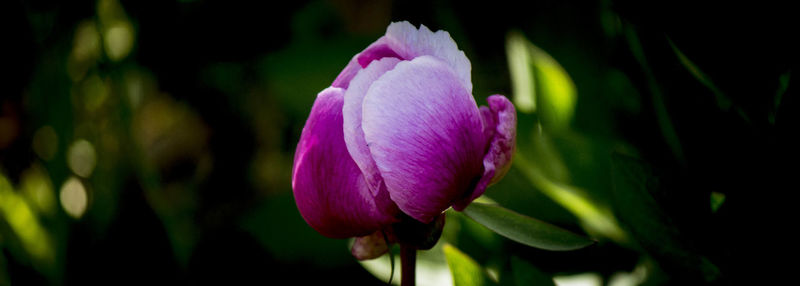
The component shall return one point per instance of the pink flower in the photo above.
(399, 131)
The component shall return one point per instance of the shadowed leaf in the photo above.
(525, 230)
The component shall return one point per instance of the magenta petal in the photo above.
(501, 119)
(425, 134)
(378, 50)
(353, 133)
(329, 189)
(347, 74)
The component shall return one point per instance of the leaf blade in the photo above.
(524, 229)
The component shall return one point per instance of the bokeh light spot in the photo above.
(85, 50)
(73, 197)
(95, 91)
(81, 158)
(38, 189)
(118, 40)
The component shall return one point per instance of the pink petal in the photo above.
(404, 41)
(378, 50)
(353, 133)
(501, 119)
(425, 134)
(329, 189)
(410, 42)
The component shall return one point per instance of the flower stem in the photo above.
(408, 262)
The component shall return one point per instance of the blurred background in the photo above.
(151, 142)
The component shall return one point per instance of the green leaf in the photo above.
(521, 72)
(540, 84)
(526, 274)
(466, 272)
(23, 220)
(524, 229)
(722, 101)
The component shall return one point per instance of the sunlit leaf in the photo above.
(466, 272)
(523, 229)
(540, 83)
(521, 72)
(24, 223)
(527, 274)
(593, 217)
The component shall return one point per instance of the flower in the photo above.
(399, 132)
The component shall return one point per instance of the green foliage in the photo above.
(540, 84)
(465, 270)
(523, 229)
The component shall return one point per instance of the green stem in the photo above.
(408, 261)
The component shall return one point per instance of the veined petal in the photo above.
(329, 189)
(409, 42)
(405, 42)
(501, 119)
(425, 134)
(352, 111)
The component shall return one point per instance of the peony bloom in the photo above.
(399, 132)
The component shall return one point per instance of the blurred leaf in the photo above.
(660, 108)
(527, 274)
(783, 82)
(466, 272)
(521, 72)
(540, 83)
(594, 218)
(634, 182)
(24, 223)
(722, 101)
(523, 229)
(717, 199)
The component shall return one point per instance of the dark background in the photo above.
(194, 129)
